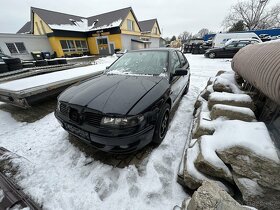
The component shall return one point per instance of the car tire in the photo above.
(52, 62)
(212, 55)
(62, 61)
(3, 68)
(14, 67)
(41, 63)
(12, 61)
(161, 124)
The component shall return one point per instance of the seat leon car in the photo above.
(229, 50)
(129, 105)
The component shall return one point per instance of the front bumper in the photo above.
(115, 145)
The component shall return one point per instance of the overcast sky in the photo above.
(174, 16)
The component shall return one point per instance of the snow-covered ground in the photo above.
(58, 175)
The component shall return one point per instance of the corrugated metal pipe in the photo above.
(259, 64)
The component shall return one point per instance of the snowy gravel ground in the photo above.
(58, 175)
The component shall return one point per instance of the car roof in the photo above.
(156, 49)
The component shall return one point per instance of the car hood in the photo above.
(110, 94)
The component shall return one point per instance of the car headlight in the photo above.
(122, 122)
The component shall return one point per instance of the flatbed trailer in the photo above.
(25, 92)
(22, 73)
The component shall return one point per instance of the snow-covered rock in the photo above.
(247, 163)
(210, 196)
(194, 178)
(241, 100)
(255, 195)
(202, 124)
(209, 163)
(232, 113)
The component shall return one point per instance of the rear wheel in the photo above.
(162, 124)
(3, 68)
(14, 67)
(212, 55)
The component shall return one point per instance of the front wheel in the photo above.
(212, 55)
(162, 124)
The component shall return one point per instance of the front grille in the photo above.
(74, 115)
(93, 118)
(63, 109)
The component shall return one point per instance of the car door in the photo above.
(184, 65)
(174, 80)
(230, 50)
(178, 83)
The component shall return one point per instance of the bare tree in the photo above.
(185, 36)
(275, 16)
(202, 32)
(253, 13)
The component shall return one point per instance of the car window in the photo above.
(141, 62)
(231, 46)
(175, 62)
(240, 45)
(182, 58)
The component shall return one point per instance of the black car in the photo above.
(129, 105)
(226, 52)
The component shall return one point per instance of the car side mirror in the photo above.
(180, 72)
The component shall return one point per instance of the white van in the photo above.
(220, 39)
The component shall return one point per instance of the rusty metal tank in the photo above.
(259, 64)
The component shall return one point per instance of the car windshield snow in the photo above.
(141, 63)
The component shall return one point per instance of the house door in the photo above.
(112, 48)
(103, 46)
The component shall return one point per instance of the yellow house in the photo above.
(100, 34)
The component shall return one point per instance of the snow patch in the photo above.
(242, 110)
(45, 79)
(253, 136)
(216, 96)
(113, 24)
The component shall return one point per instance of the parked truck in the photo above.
(220, 39)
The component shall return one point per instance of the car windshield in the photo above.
(141, 62)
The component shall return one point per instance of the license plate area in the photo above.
(77, 131)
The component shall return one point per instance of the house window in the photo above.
(74, 46)
(130, 25)
(71, 45)
(102, 41)
(155, 30)
(21, 48)
(16, 48)
(81, 45)
(84, 45)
